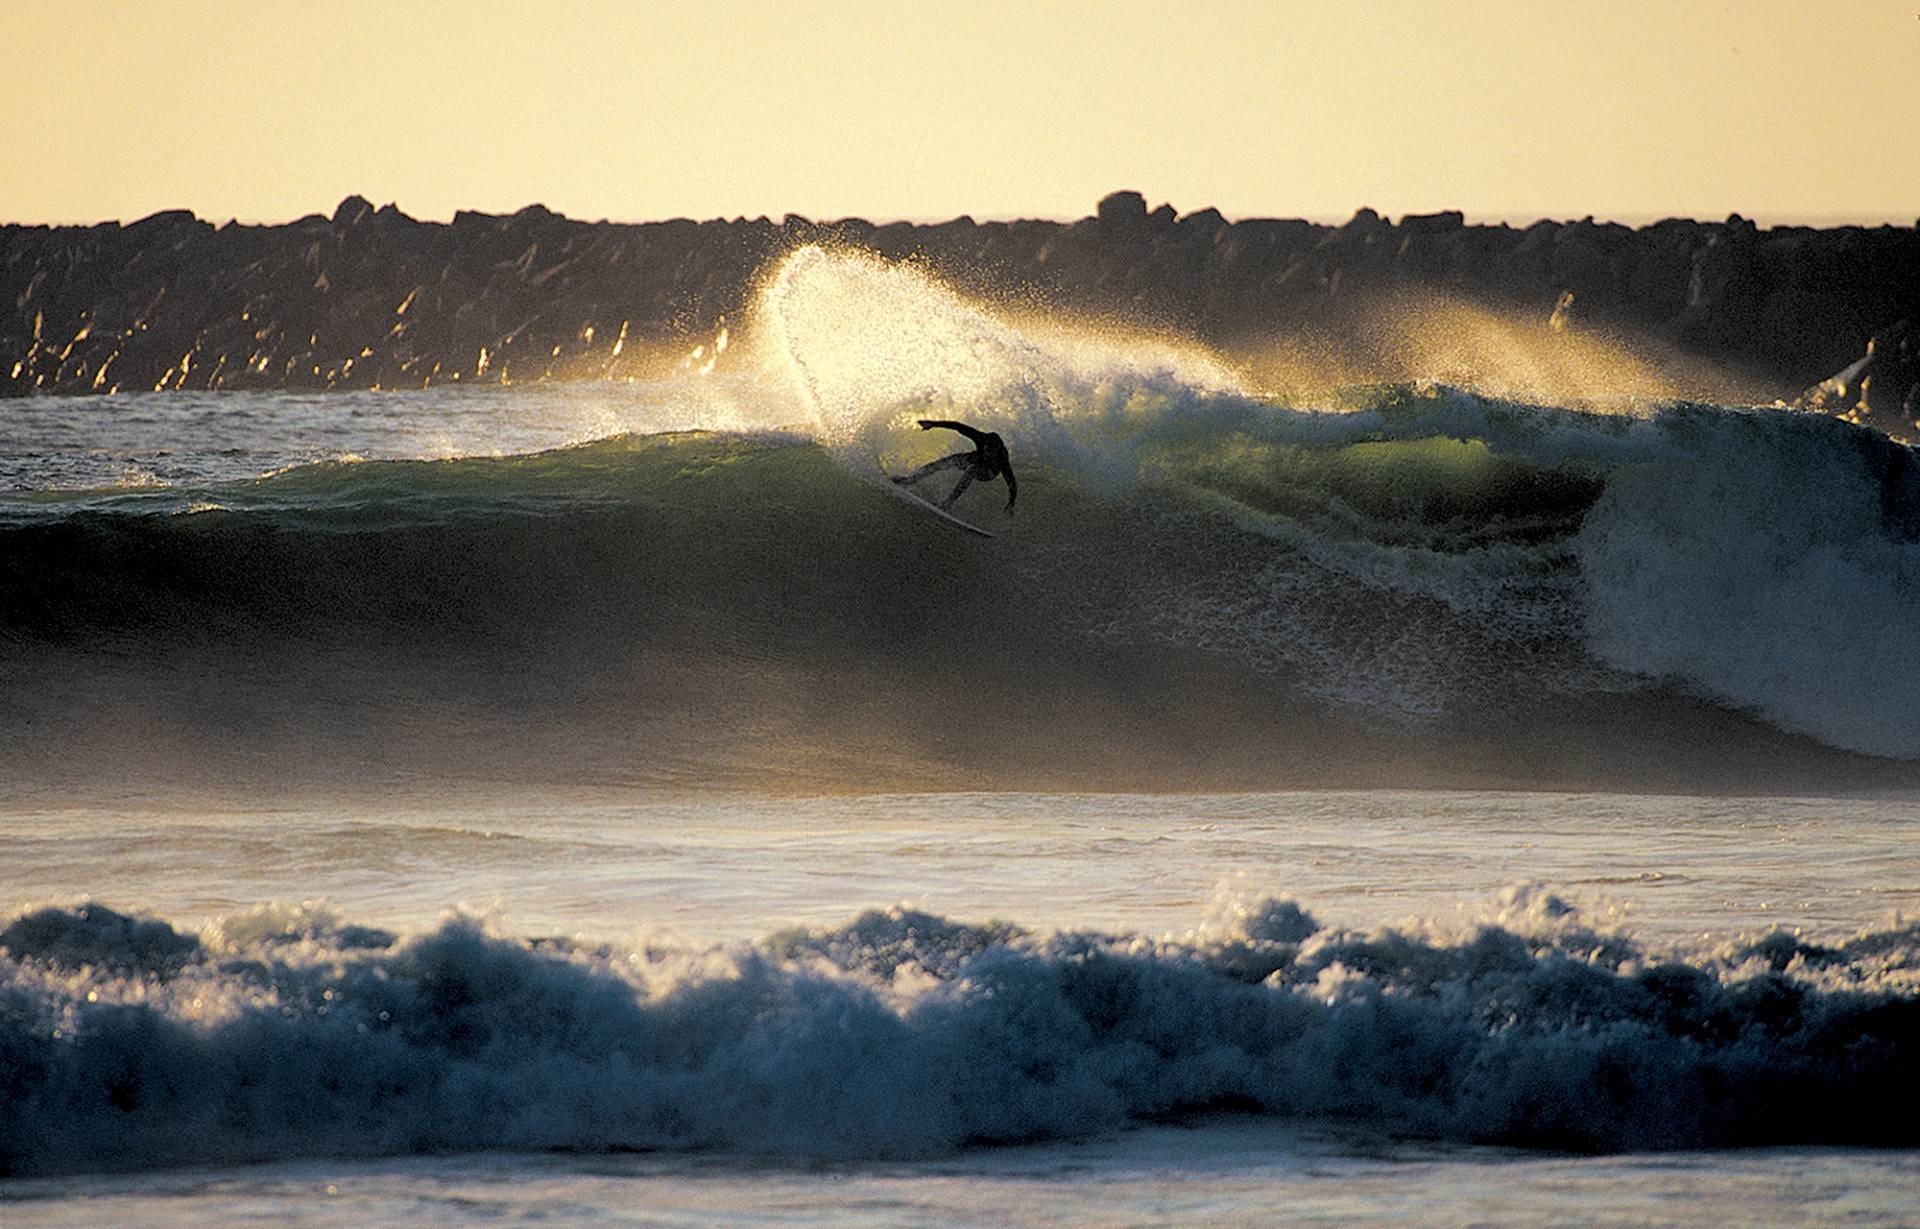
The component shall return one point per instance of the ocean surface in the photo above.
(1429, 803)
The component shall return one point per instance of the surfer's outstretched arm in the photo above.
(1013, 488)
(971, 433)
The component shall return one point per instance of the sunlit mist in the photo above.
(1411, 336)
(874, 344)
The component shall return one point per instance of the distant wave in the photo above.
(127, 1043)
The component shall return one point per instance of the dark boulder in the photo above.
(1127, 209)
(1446, 222)
(352, 211)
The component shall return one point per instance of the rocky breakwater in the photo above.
(368, 298)
(371, 298)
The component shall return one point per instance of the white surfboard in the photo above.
(942, 513)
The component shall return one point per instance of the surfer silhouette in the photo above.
(987, 461)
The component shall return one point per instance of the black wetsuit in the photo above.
(987, 461)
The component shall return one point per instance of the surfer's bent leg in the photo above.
(934, 467)
(966, 480)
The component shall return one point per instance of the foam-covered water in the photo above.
(1090, 1010)
(1532, 1016)
(903, 1034)
(1232, 1172)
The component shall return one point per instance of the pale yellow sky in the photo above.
(1783, 110)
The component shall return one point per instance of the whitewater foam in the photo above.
(130, 1044)
(1762, 559)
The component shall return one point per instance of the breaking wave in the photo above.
(128, 1043)
(1417, 561)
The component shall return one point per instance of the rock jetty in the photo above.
(371, 298)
